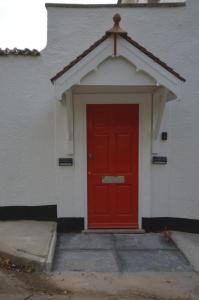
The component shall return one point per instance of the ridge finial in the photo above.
(116, 27)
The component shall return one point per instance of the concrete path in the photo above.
(188, 243)
(128, 285)
(100, 286)
(118, 253)
(29, 242)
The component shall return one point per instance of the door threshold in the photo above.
(133, 231)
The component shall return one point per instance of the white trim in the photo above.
(159, 98)
(159, 101)
(81, 69)
(144, 63)
(144, 101)
(141, 61)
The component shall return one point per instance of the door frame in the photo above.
(80, 140)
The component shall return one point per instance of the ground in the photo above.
(108, 267)
(102, 286)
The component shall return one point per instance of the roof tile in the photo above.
(16, 51)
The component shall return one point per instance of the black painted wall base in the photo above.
(70, 224)
(49, 213)
(39, 213)
(178, 224)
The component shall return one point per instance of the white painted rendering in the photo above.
(27, 139)
(36, 129)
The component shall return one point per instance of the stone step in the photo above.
(125, 231)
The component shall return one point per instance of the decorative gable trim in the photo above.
(80, 57)
(116, 43)
(153, 57)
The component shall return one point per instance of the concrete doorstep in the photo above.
(188, 243)
(29, 242)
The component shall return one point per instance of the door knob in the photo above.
(90, 156)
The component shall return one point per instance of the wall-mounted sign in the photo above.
(159, 160)
(66, 161)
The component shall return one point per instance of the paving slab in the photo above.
(118, 253)
(31, 242)
(85, 241)
(188, 243)
(156, 261)
(86, 261)
(142, 241)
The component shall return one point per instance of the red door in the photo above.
(112, 133)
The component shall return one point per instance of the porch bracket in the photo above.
(160, 97)
(70, 121)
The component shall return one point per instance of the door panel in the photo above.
(112, 142)
(101, 151)
(123, 194)
(101, 207)
(123, 145)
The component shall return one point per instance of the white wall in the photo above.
(31, 140)
(27, 155)
(172, 34)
